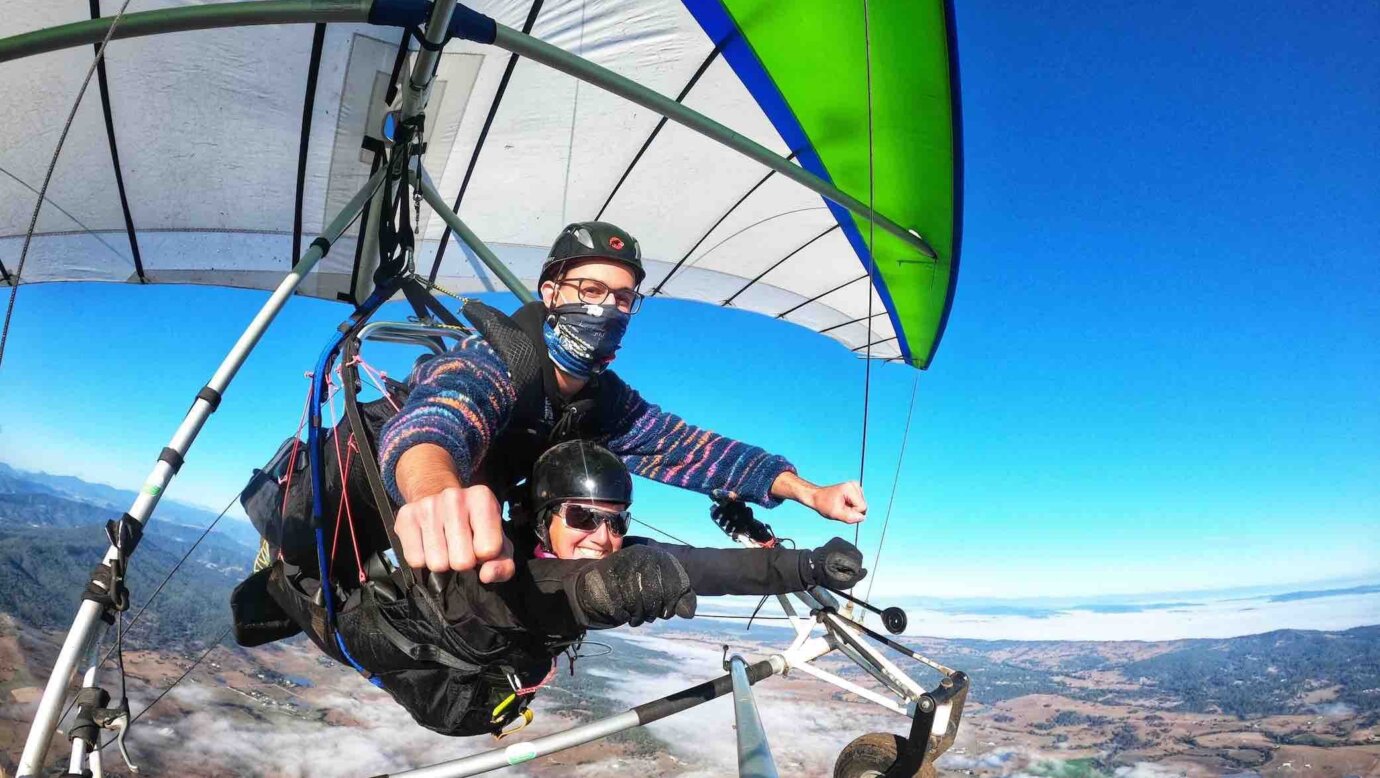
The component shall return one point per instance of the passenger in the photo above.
(499, 642)
(482, 413)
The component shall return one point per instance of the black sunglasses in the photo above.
(586, 518)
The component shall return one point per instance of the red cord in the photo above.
(376, 379)
(533, 689)
(344, 507)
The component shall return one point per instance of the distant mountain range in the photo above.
(52, 535)
(14, 480)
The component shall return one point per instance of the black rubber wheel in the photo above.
(870, 756)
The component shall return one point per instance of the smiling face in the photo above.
(568, 543)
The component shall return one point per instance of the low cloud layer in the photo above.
(1220, 618)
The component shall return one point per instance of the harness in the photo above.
(394, 618)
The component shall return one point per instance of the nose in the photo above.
(602, 534)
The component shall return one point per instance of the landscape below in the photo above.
(1288, 702)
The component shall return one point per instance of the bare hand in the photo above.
(841, 502)
(456, 529)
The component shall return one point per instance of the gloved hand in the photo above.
(836, 565)
(735, 518)
(634, 585)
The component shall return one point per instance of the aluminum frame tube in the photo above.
(538, 50)
(485, 254)
(900, 681)
(643, 714)
(199, 17)
(418, 89)
(409, 333)
(76, 763)
(754, 753)
(85, 630)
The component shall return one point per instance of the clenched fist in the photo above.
(841, 502)
(459, 528)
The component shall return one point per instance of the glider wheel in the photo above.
(872, 756)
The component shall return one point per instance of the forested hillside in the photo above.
(49, 544)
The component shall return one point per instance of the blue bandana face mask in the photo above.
(582, 338)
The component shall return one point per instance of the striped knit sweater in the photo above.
(462, 400)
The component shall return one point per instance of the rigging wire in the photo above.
(174, 684)
(48, 176)
(662, 531)
(117, 649)
(871, 262)
(901, 457)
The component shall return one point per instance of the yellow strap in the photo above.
(526, 717)
(502, 706)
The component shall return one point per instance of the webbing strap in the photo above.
(211, 396)
(349, 379)
(425, 303)
(368, 460)
(172, 457)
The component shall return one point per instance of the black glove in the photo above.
(836, 565)
(735, 518)
(632, 586)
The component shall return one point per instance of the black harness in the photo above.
(451, 671)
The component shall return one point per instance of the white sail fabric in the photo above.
(208, 124)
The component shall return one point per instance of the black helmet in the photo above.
(594, 240)
(579, 470)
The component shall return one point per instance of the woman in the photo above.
(465, 657)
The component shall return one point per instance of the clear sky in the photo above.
(1160, 373)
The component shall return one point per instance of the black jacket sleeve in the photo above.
(541, 596)
(719, 571)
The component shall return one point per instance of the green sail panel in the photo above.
(816, 53)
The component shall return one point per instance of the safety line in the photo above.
(895, 480)
(574, 115)
(48, 178)
(871, 260)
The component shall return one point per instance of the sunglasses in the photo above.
(585, 518)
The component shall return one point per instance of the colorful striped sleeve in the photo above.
(663, 447)
(460, 401)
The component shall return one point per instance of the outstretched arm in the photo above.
(460, 401)
(661, 446)
(841, 502)
(757, 571)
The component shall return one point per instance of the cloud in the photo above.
(806, 730)
(1335, 710)
(387, 740)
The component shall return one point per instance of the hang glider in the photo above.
(205, 156)
(807, 168)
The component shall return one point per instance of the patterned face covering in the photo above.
(582, 338)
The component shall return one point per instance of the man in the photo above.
(477, 672)
(479, 418)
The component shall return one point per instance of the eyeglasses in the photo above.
(595, 292)
(585, 518)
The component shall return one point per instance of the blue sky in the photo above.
(1160, 372)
